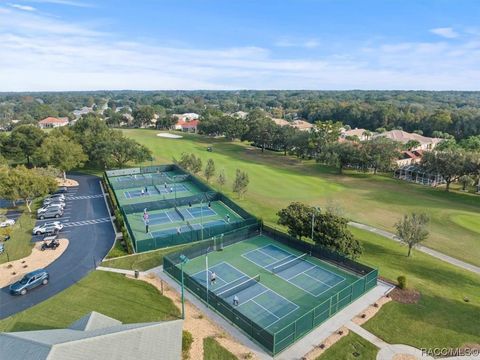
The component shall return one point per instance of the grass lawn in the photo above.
(20, 244)
(212, 350)
(276, 180)
(117, 250)
(441, 318)
(143, 261)
(349, 345)
(127, 300)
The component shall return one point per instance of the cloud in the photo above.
(446, 32)
(63, 2)
(309, 44)
(22, 7)
(41, 52)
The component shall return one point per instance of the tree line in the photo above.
(427, 112)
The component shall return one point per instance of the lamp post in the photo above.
(183, 261)
(206, 272)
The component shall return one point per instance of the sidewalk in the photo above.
(424, 249)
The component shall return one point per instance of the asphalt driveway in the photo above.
(90, 234)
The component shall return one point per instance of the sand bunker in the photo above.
(169, 136)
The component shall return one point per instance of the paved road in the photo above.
(426, 250)
(90, 238)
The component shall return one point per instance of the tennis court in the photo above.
(296, 269)
(182, 219)
(151, 191)
(283, 293)
(255, 300)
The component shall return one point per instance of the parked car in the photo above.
(7, 222)
(50, 213)
(53, 227)
(29, 282)
(2, 248)
(56, 196)
(49, 201)
(50, 207)
(61, 190)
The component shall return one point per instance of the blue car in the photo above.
(29, 282)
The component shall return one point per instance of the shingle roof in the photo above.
(93, 321)
(53, 120)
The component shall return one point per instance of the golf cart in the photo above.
(50, 242)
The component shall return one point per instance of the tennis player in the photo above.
(235, 300)
(213, 278)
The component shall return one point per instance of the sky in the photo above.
(57, 45)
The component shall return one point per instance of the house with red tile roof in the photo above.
(53, 122)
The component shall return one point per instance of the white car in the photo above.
(48, 228)
(7, 222)
(45, 208)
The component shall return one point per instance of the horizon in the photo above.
(304, 45)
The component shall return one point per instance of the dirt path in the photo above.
(14, 270)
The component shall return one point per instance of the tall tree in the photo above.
(143, 116)
(379, 154)
(123, 150)
(24, 141)
(62, 153)
(295, 217)
(240, 184)
(340, 154)
(221, 178)
(412, 229)
(209, 169)
(450, 164)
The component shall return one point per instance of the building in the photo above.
(302, 125)
(280, 122)
(96, 337)
(408, 157)
(187, 116)
(361, 134)
(83, 111)
(426, 143)
(187, 126)
(52, 122)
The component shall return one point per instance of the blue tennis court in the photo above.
(170, 231)
(256, 301)
(200, 211)
(171, 188)
(151, 190)
(295, 269)
(158, 218)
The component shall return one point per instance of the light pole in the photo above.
(206, 271)
(183, 261)
(201, 219)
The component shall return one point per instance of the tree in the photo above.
(221, 179)
(466, 181)
(325, 133)
(143, 116)
(449, 163)
(411, 144)
(340, 154)
(260, 130)
(295, 217)
(166, 122)
(240, 183)
(27, 184)
(412, 229)
(24, 141)
(196, 164)
(62, 153)
(331, 231)
(123, 150)
(209, 170)
(379, 154)
(185, 161)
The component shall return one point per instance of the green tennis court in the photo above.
(234, 263)
(185, 218)
(162, 191)
(274, 292)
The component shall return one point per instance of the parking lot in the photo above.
(89, 230)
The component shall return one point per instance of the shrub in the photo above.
(402, 282)
(187, 340)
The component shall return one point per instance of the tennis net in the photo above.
(190, 225)
(179, 214)
(289, 263)
(245, 284)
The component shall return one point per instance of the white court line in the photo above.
(168, 216)
(321, 268)
(280, 318)
(264, 308)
